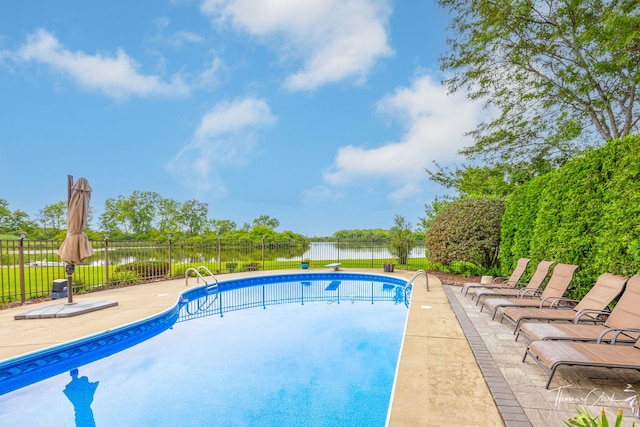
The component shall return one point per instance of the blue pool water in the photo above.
(300, 350)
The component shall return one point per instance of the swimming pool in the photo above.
(303, 349)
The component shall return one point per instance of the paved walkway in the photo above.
(457, 366)
(593, 388)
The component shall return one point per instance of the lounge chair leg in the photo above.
(551, 374)
(516, 330)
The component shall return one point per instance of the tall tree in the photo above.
(557, 72)
(266, 221)
(54, 215)
(113, 216)
(193, 216)
(141, 207)
(222, 226)
(168, 215)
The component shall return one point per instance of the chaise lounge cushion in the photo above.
(530, 290)
(607, 288)
(552, 354)
(557, 285)
(625, 314)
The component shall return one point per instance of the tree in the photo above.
(141, 208)
(193, 216)
(113, 216)
(168, 214)
(558, 72)
(5, 215)
(221, 227)
(466, 230)
(401, 239)
(267, 221)
(374, 233)
(55, 215)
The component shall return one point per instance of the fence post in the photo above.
(263, 253)
(106, 260)
(23, 296)
(372, 245)
(219, 255)
(170, 269)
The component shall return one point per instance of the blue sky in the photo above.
(320, 113)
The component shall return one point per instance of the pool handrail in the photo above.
(416, 274)
(199, 276)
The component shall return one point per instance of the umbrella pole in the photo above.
(70, 269)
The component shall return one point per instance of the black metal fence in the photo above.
(28, 268)
(217, 303)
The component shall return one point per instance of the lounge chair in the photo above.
(557, 285)
(501, 282)
(550, 355)
(625, 315)
(531, 290)
(607, 288)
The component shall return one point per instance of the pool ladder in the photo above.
(418, 273)
(210, 287)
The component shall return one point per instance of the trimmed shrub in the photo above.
(465, 269)
(466, 230)
(126, 277)
(250, 266)
(145, 269)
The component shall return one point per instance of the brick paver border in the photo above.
(510, 410)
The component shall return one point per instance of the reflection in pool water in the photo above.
(80, 392)
(327, 358)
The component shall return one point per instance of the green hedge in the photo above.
(586, 213)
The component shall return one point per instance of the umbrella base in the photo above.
(65, 310)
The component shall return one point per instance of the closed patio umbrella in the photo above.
(76, 247)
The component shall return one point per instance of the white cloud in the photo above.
(335, 39)
(226, 135)
(209, 78)
(116, 76)
(435, 124)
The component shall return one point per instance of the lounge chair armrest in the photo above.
(595, 314)
(499, 280)
(513, 285)
(551, 301)
(507, 284)
(563, 301)
(616, 333)
(526, 292)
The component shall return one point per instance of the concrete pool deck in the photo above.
(457, 366)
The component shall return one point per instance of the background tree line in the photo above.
(141, 215)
